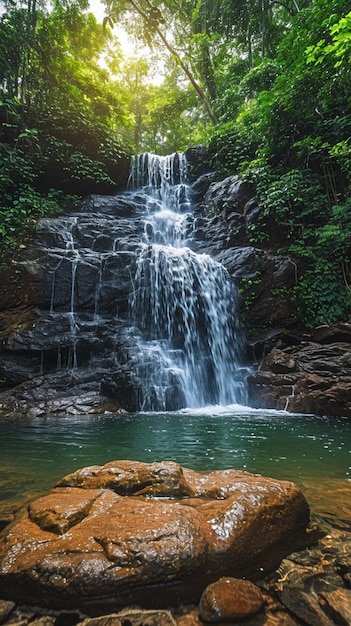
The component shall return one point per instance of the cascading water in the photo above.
(191, 348)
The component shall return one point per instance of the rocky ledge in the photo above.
(306, 372)
(155, 535)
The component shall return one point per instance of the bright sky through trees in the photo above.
(132, 49)
(127, 45)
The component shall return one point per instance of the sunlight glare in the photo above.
(127, 46)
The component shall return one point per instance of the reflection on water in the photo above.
(313, 452)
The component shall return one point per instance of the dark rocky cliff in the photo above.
(294, 369)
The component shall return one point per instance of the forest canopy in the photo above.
(264, 84)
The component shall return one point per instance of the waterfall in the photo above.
(184, 306)
(128, 306)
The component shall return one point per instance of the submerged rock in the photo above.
(6, 607)
(132, 617)
(338, 603)
(230, 599)
(152, 534)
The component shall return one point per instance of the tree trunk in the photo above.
(207, 71)
(30, 34)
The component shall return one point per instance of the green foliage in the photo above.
(323, 292)
(290, 137)
(318, 237)
(322, 295)
(339, 49)
(259, 78)
(230, 146)
(294, 199)
(249, 289)
(166, 116)
(20, 203)
(62, 118)
(80, 167)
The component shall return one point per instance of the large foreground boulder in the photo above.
(152, 534)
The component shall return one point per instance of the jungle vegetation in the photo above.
(264, 84)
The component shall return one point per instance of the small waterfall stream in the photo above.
(191, 347)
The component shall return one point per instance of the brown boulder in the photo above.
(230, 599)
(138, 479)
(171, 533)
(340, 332)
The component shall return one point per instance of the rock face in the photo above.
(66, 345)
(78, 266)
(308, 376)
(72, 347)
(228, 210)
(151, 534)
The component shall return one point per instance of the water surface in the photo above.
(314, 452)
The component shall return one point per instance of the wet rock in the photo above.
(200, 186)
(309, 583)
(139, 479)
(306, 378)
(280, 363)
(132, 617)
(21, 616)
(3, 522)
(46, 620)
(190, 617)
(197, 159)
(5, 609)
(122, 387)
(340, 332)
(230, 194)
(261, 274)
(51, 516)
(103, 620)
(305, 606)
(241, 261)
(77, 392)
(118, 206)
(64, 297)
(313, 575)
(230, 599)
(338, 604)
(172, 532)
(269, 306)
